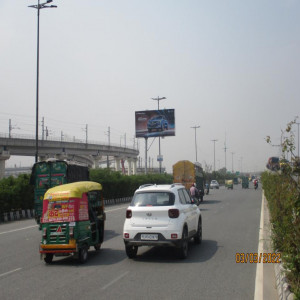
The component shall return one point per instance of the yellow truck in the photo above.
(187, 173)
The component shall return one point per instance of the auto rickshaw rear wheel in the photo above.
(83, 255)
(48, 258)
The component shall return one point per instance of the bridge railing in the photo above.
(65, 139)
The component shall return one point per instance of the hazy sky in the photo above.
(228, 66)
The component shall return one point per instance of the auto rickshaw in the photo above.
(245, 182)
(72, 220)
(229, 184)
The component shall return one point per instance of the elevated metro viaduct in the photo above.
(87, 153)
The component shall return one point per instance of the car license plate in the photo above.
(149, 237)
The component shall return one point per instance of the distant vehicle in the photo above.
(161, 215)
(284, 165)
(188, 173)
(235, 180)
(157, 123)
(214, 184)
(50, 173)
(273, 164)
(245, 182)
(229, 184)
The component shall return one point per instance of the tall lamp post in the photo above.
(195, 127)
(38, 7)
(214, 154)
(159, 155)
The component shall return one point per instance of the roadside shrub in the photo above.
(283, 196)
(16, 193)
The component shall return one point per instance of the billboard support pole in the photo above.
(146, 149)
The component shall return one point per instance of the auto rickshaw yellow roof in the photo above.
(72, 190)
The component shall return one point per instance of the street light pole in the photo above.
(232, 160)
(38, 7)
(195, 127)
(214, 154)
(159, 99)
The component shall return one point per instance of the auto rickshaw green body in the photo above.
(72, 220)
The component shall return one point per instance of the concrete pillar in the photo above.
(4, 155)
(96, 160)
(134, 166)
(129, 160)
(118, 165)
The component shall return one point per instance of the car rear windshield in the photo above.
(153, 199)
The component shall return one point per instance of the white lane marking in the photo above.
(12, 271)
(114, 280)
(18, 229)
(14, 230)
(259, 279)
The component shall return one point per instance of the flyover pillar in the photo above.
(118, 163)
(129, 160)
(134, 166)
(4, 155)
(96, 160)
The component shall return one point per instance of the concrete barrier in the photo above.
(29, 213)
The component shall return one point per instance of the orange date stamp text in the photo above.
(254, 258)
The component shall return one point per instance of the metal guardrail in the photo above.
(29, 213)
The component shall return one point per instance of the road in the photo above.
(230, 225)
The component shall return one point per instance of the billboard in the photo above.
(154, 123)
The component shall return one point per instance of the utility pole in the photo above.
(159, 154)
(214, 141)
(225, 148)
(43, 128)
(10, 128)
(195, 127)
(38, 7)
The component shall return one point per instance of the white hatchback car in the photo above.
(214, 184)
(161, 215)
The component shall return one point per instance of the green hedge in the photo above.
(283, 196)
(117, 185)
(16, 193)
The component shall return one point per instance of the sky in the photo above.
(231, 67)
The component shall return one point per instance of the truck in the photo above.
(50, 173)
(188, 173)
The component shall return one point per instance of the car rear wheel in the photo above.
(131, 251)
(198, 236)
(183, 250)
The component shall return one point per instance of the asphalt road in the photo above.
(230, 225)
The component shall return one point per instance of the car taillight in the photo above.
(128, 214)
(71, 232)
(174, 236)
(44, 232)
(173, 213)
(126, 235)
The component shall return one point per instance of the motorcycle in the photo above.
(255, 185)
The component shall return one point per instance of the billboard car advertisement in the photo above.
(154, 123)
